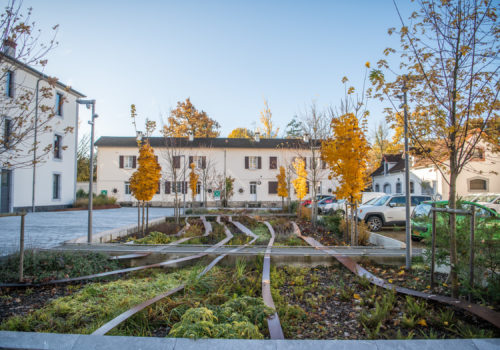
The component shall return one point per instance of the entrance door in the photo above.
(253, 191)
(199, 191)
(5, 183)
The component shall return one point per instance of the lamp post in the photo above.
(90, 105)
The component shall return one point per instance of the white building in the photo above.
(253, 163)
(52, 184)
(480, 175)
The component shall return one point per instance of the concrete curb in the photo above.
(384, 241)
(49, 341)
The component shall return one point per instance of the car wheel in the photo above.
(374, 223)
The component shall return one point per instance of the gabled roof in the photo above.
(39, 74)
(203, 142)
(390, 158)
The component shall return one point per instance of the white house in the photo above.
(253, 163)
(480, 175)
(50, 184)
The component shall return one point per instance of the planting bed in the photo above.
(325, 235)
(163, 232)
(332, 303)
(284, 233)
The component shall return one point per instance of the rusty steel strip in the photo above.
(118, 272)
(273, 321)
(486, 314)
(129, 313)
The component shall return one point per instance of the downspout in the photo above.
(35, 147)
(76, 152)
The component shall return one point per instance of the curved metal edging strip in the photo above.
(273, 321)
(486, 314)
(129, 313)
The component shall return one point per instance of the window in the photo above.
(253, 162)
(412, 187)
(57, 146)
(198, 187)
(398, 187)
(127, 188)
(387, 188)
(273, 162)
(179, 187)
(273, 187)
(427, 188)
(177, 162)
(416, 200)
(397, 202)
(199, 161)
(377, 188)
(477, 154)
(478, 185)
(59, 104)
(129, 162)
(9, 88)
(7, 130)
(56, 186)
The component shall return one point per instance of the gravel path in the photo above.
(48, 229)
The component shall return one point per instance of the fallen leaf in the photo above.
(389, 280)
(356, 296)
(422, 323)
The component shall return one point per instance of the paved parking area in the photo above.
(400, 234)
(48, 229)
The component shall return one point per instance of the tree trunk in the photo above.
(452, 202)
(142, 226)
(283, 204)
(138, 216)
(346, 219)
(147, 216)
(355, 223)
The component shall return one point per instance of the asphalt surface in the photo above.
(49, 229)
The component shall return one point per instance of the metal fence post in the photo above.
(433, 249)
(21, 249)
(471, 254)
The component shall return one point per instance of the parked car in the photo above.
(324, 202)
(490, 200)
(421, 226)
(388, 210)
(307, 202)
(339, 205)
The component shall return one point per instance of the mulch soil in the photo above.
(168, 228)
(319, 233)
(333, 300)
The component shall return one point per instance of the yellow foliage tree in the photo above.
(282, 186)
(193, 180)
(240, 133)
(346, 154)
(267, 123)
(187, 119)
(144, 181)
(300, 183)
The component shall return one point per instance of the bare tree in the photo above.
(171, 153)
(25, 110)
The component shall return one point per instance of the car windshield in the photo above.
(486, 198)
(470, 198)
(421, 210)
(371, 201)
(380, 201)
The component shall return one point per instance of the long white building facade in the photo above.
(49, 182)
(252, 163)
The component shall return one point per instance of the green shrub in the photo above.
(156, 237)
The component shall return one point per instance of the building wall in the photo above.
(111, 177)
(22, 178)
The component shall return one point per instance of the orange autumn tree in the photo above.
(282, 186)
(300, 183)
(144, 181)
(345, 153)
(193, 181)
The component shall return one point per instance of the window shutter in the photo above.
(307, 187)
(134, 162)
(156, 158)
(259, 162)
(167, 187)
(246, 162)
(185, 185)
(273, 187)
(323, 164)
(190, 160)
(158, 191)
(305, 163)
(273, 163)
(204, 162)
(177, 162)
(121, 161)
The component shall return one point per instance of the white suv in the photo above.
(388, 210)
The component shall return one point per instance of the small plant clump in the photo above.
(283, 230)
(43, 266)
(156, 237)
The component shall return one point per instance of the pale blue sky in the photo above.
(226, 55)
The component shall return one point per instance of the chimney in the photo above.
(306, 137)
(257, 136)
(191, 136)
(9, 48)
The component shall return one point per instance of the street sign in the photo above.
(217, 195)
(104, 192)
